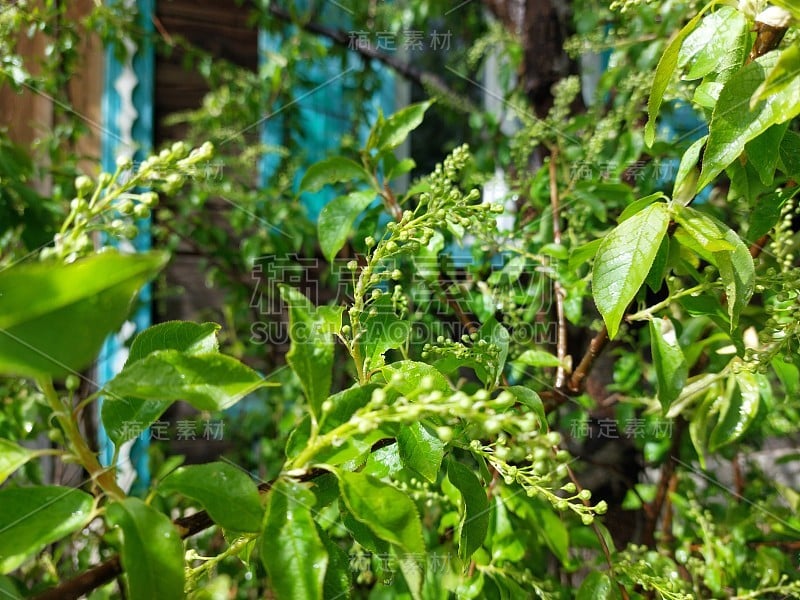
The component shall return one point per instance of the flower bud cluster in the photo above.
(443, 205)
(470, 349)
(111, 206)
(780, 334)
(535, 464)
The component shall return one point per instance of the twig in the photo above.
(758, 246)
(561, 339)
(162, 30)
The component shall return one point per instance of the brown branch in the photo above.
(758, 246)
(87, 581)
(578, 377)
(352, 42)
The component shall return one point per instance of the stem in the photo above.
(212, 561)
(647, 313)
(304, 458)
(104, 478)
(558, 289)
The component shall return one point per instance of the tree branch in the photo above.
(352, 42)
(576, 381)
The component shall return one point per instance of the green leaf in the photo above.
(785, 71)
(406, 376)
(413, 574)
(699, 425)
(311, 354)
(332, 170)
(767, 212)
(384, 462)
(291, 549)
(789, 154)
(386, 511)
(734, 123)
(738, 413)
(299, 437)
(538, 358)
(729, 254)
(345, 404)
(505, 540)
(12, 457)
(668, 361)
(54, 317)
(228, 494)
(554, 532)
(583, 254)
(125, 418)
(401, 168)
(745, 181)
(738, 274)
(623, 261)
(597, 586)
(664, 70)
(185, 336)
(494, 333)
(363, 534)
(685, 187)
(337, 218)
(9, 589)
(704, 230)
(530, 400)
(338, 582)
(475, 518)
(206, 381)
(421, 450)
(152, 550)
(763, 152)
(32, 517)
(397, 127)
(384, 331)
(718, 45)
(707, 93)
(638, 205)
(655, 277)
(353, 451)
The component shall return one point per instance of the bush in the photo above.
(445, 429)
